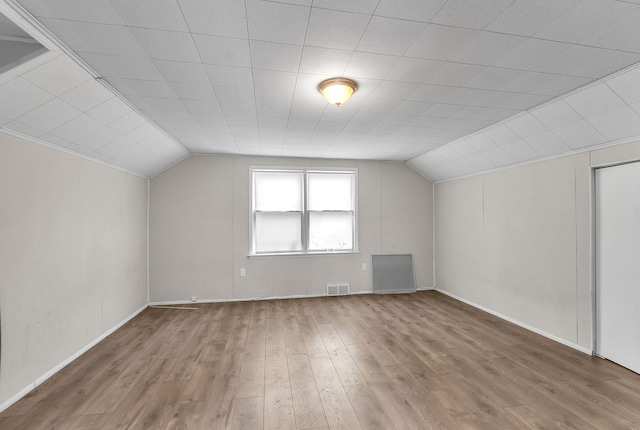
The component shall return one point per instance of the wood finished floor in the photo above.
(420, 361)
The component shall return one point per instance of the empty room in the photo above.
(319, 214)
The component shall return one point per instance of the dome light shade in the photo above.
(337, 90)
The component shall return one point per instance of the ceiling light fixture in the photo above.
(337, 90)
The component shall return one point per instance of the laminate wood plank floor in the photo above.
(413, 361)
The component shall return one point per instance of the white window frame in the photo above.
(305, 212)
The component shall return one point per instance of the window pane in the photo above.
(330, 191)
(330, 231)
(278, 232)
(278, 191)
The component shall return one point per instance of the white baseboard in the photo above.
(518, 323)
(248, 299)
(26, 390)
(20, 394)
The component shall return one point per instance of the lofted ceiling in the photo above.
(453, 87)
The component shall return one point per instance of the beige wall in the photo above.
(517, 241)
(72, 256)
(199, 231)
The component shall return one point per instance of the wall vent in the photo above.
(338, 289)
(393, 274)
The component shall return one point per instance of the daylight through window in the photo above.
(298, 211)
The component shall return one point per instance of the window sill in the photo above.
(303, 254)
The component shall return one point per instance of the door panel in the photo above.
(618, 264)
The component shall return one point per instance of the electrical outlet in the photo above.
(194, 298)
(364, 266)
(243, 272)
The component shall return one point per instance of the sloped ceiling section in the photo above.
(601, 113)
(54, 100)
(241, 76)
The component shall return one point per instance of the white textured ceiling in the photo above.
(601, 113)
(437, 79)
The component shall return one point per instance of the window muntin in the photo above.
(300, 211)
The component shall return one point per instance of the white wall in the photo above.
(517, 241)
(72, 256)
(199, 231)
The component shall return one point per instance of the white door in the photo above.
(618, 264)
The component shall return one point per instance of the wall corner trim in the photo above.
(38, 381)
(518, 323)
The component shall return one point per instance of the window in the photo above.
(298, 211)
